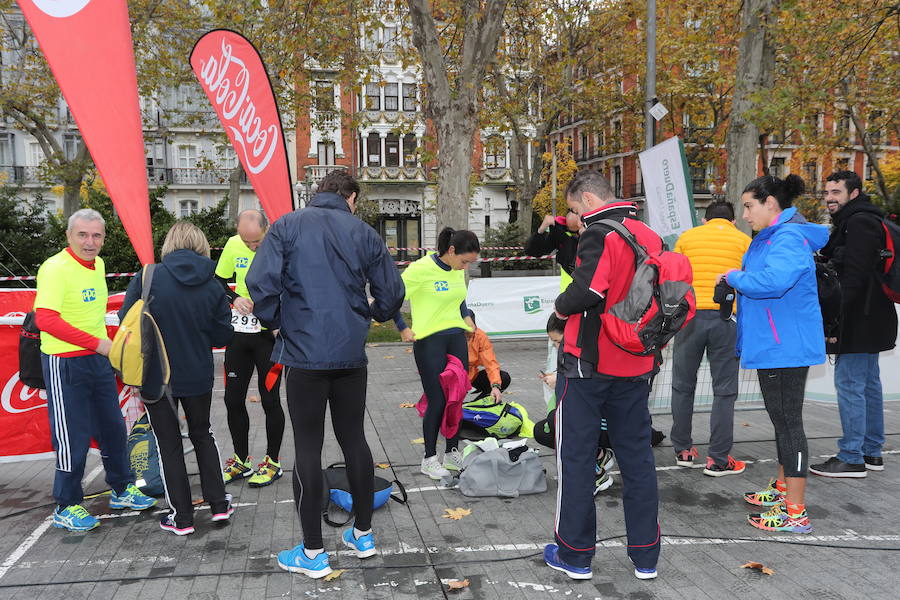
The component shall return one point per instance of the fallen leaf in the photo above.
(417, 441)
(409, 350)
(383, 465)
(456, 513)
(407, 405)
(758, 567)
(389, 356)
(333, 575)
(253, 398)
(745, 424)
(456, 584)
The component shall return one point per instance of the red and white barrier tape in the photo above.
(398, 262)
(483, 248)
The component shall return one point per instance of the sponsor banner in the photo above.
(513, 306)
(667, 188)
(24, 424)
(233, 75)
(88, 46)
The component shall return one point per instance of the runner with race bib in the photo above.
(250, 350)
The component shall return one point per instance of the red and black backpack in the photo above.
(659, 303)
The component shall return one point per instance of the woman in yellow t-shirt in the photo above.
(436, 290)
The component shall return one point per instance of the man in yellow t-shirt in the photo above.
(249, 350)
(715, 247)
(82, 395)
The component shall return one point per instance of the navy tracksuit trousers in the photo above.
(624, 405)
(83, 402)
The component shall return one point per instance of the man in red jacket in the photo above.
(602, 380)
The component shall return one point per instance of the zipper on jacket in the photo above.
(772, 325)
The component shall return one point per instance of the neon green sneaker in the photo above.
(266, 473)
(236, 469)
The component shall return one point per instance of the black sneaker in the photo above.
(874, 463)
(835, 467)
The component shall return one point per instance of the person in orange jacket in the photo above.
(489, 380)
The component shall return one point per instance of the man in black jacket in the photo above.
(309, 280)
(868, 326)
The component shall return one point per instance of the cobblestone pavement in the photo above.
(496, 548)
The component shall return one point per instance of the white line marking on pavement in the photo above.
(35, 535)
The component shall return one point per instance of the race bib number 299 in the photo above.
(244, 323)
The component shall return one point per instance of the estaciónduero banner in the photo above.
(88, 46)
(667, 189)
(233, 75)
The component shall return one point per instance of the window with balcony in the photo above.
(187, 156)
(187, 208)
(7, 149)
(35, 154)
(843, 125)
(409, 97)
(71, 143)
(391, 98)
(370, 39)
(323, 96)
(583, 146)
(617, 181)
(325, 153)
(392, 150)
(226, 156)
(811, 174)
(410, 158)
(617, 136)
(374, 141)
(698, 179)
(390, 39)
(776, 167)
(373, 96)
(495, 153)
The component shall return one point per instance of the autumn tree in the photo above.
(456, 41)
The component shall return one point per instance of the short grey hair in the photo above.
(85, 214)
(255, 214)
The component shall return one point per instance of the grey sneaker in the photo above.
(453, 460)
(431, 466)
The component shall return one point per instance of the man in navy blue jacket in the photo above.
(309, 281)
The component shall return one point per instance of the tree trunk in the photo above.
(234, 192)
(71, 196)
(754, 73)
(454, 171)
(868, 148)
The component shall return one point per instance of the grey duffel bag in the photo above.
(502, 472)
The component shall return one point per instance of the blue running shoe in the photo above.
(296, 561)
(132, 497)
(74, 518)
(642, 573)
(551, 557)
(363, 546)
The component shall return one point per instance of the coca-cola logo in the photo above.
(61, 8)
(227, 81)
(18, 397)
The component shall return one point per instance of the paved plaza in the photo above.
(496, 548)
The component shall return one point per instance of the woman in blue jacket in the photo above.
(193, 315)
(779, 333)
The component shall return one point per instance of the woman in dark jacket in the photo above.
(193, 315)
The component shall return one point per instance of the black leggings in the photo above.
(246, 352)
(482, 385)
(782, 391)
(307, 394)
(431, 359)
(171, 453)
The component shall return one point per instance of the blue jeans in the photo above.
(861, 404)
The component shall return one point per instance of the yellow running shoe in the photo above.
(236, 469)
(266, 473)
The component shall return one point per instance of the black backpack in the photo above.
(830, 298)
(30, 371)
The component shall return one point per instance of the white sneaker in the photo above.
(453, 460)
(432, 467)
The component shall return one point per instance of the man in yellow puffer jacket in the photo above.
(712, 248)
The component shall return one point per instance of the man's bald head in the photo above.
(251, 227)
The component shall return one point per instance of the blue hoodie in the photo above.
(779, 323)
(309, 279)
